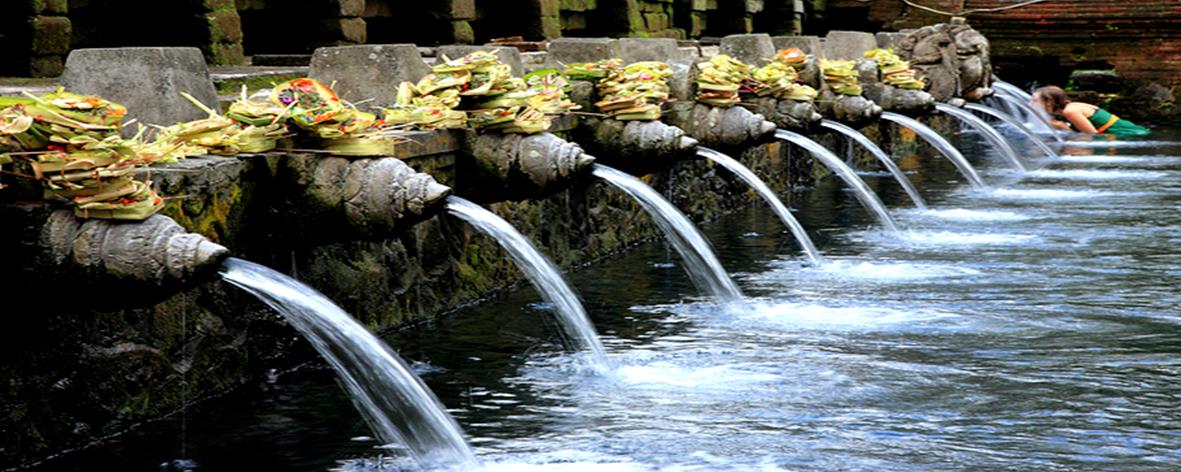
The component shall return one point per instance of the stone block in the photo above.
(457, 10)
(655, 21)
(219, 5)
(547, 8)
(753, 49)
(753, 6)
(348, 30)
(147, 81)
(848, 44)
(51, 35)
(570, 50)
(507, 55)
(55, 7)
(226, 54)
(368, 71)
(351, 7)
(46, 66)
(887, 39)
(808, 44)
(578, 5)
(551, 27)
(696, 24)
(225, 27)
(1103, 81)
(649, 49)
(462, 32)
(651, 7)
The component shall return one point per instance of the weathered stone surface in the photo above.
(369, 72)
(345, 30)
(155, 253)
(148, 81)
(571, 50)
(887, 39)
(954, 59)
(808, 44)
(46, 66)
(790, 114)
(855, 111)
(1103, 81)
(357, 198)
(352, 7)
(635, 146)
(722, 127)
(848, 45)
(225, 27)
(51, 35)
(510, 56)
(649, 49)
(754, 49)
(518, 166)
(906, 101)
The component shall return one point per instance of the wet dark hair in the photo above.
(1056, 97)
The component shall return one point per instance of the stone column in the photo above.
(224, 46)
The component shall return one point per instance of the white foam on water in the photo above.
(1114, 144)
(666, 374)
(1104, 159)
(1088, 174)
(952, 238)
(810, 316)
(1047, 194)
(890, 271)
(963, 214)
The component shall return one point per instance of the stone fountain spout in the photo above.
(898, 100)
(790, 114)
(853, 110)
(635, 145)
(62, 259)
(519, 166)
(366, 198)
(722, 127)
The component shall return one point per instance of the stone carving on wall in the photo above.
(953, 58)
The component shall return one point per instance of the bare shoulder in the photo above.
(1085, 109)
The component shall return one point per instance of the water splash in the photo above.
(941, 145)
(868, 198)
(989, 132)
(1040, 115)
(964, 214)
(1014, 122)
(769, 196)
(576, 326)
(1090, 174)
(882, 157)
(701, 263)
(394, 402)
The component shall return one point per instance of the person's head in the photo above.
(1052, 99)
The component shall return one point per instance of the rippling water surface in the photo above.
(1032, 327)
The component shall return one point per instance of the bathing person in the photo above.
(1085, 118)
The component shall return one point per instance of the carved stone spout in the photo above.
(911, 102)
(722, 127)
(953, 58)
(518, 166)
(791, 114)
(635, 144)
(368, 198)
(103, 254)
(853, 110)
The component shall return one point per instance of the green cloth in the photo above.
(1121, 128)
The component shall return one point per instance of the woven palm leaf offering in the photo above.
(791, 57)
(435, 111)
(895, 71)
(719, 80)
(551, 91)
(841, 77)
(635, 92)
(493, 99)
(71, 144)
(592, 71)
(338, 128)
